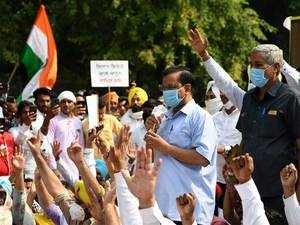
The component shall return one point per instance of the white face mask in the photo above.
(213, 105)
(228, 105)
(137, 115)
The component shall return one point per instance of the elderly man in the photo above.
(66, 128)
(186, 142)
(134, 116)
(269, 119)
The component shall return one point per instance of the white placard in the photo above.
(93, 114)
(109, 73)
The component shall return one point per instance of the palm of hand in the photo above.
(18, 162)
(143, 184)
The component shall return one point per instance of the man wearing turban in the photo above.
(134, 116)
(111, 100)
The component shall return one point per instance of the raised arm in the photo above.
(253, 207)
(222, 79)
(289, 176)
(292, 76)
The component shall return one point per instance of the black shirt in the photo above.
(269, 130)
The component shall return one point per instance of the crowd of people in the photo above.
(157, 161)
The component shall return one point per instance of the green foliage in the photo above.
(151, 34)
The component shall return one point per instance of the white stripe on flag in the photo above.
(31, 86)
(37, 41)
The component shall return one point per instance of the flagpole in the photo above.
(12, 73)
(108, 99)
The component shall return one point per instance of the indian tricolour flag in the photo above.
(39, 55)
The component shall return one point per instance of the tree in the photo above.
(150, 34)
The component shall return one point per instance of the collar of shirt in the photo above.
(186, 109)
(232, 113)
(273, 91)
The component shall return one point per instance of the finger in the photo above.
(148, 160)
(143, 160)
(138, 159)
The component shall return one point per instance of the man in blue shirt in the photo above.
(186, 142)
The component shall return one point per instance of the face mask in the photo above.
(228, 105)
(213, 105)
(137, 115)
(257, 77)
(171, 98)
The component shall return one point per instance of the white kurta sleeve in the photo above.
(128, 203)
(292, 210)
(253, 207)
(224, 82)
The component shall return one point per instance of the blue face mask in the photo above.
(171, 98)
(257, 77)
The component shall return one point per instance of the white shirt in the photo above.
(127, 119)
(292, 76)
(65, 130)
(138, 135)
(21, 134)
(292, 210)
(228, 135)
(253, 207)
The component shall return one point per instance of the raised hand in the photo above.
(34, 144)
(186, 205)
(198, 41)
(102, 146)
(18, 161)
(242, 167)
(123, 137)
(110, 194)
(143, 182)
(289, 177)
(94, 133)
(75, 152)
(56, 149)
(116, 160)
(3, 151)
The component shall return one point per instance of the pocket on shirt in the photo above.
(272, 126)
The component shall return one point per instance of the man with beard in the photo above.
(111, 100)
(134, 116)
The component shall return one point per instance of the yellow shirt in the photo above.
(111, 127)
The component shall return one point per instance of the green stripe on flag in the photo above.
(31, 61)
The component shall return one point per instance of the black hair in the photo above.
(123, 98)
(11, 99)
(185, 77)
(101, 103)
(42, 91)
(22, 105)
